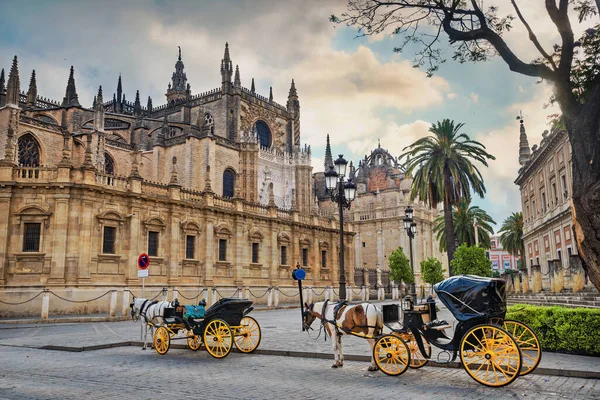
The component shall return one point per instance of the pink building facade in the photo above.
(501, 259)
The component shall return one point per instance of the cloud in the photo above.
(503, 196)
(451, 96)
(474, 97)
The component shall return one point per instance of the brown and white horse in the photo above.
(364, 318)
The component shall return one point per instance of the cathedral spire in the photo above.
(13, 85)
(137, 105)
(32, 92)
(226, 69)
(237, 82)
(293, 92)
(99, 99)
(119, 94)
(328, 158)
(178, 86)
(524, 151)
(2, 81)
(71, 98)
(99, 111)
(252, 88)
(270, 94)
(149, 106)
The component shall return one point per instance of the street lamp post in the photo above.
(342, 192)
(411, 230)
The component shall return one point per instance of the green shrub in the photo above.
(471, 260)
(400, 267)
(561, 329)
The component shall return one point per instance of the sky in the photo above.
(355, 89)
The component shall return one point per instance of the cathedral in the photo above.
(382, 195)
(215, 187)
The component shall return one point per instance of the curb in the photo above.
(305, 354)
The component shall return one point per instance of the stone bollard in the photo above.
(240, 293)
(367, 293)
(270, 297)
(536, 279)
(246, 292)
(577, 274)
(165, 294)
(276, 297)
(517, 283)
(175, 293)
(381, 293)
(213, 296)
(525, 281)
(126, 308)
(557, 279)
(309, 295)
(509, 282)
(113, 303)
(349, 293)
(45, 304)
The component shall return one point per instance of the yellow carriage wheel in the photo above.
(391, 355)
(247, 335)
(418, 360)
(162, 340)
(193, 341)
(490, 355)
(218, 338)
(528, 343)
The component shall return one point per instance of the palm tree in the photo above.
(511, 236)
(463, 216)
(444, 172)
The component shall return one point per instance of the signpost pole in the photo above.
(299, 274)
(301, 302)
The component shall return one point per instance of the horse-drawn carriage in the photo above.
(223, 325)
(494, 351)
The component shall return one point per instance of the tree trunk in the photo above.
(450, 236)
(584, 133)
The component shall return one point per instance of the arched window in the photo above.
(264, 134)
(228, 183)
(29, 151)
(208, 119)
(109, 164)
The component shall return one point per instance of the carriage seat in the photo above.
(194, 312)
(438, 325)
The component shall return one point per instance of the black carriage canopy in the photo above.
(470, 296)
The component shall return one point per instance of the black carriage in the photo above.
(494, 351)
(218, 328)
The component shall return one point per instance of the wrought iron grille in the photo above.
(108, 242)
(190, 242)
(153, 244)
(29, 151)
(31, 240)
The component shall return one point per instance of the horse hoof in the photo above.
(143, 348)
(372, 368)
(334, 366)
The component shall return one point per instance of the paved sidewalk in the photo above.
(281, 335)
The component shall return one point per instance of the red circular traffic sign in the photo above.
(143, 261)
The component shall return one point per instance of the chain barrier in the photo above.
(258, 297)
(22, 302)
(191, 298)
(315, 293)
(222, 296)
(285, 295)
(80, 301)
(356, 292)
(334, 292)
(135, 297)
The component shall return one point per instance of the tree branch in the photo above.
(532, 36)
(514, 63)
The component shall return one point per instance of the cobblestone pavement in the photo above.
(130, 373)
(281, 331)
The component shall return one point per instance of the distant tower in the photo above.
(524, 151)
(328, 158)
(178, 87)
(293, 107)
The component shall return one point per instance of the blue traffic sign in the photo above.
(143, 261)
(299, 274)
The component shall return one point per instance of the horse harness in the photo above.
(144, 309)
(338, 310)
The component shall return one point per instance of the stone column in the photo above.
(134, 246)
(83, 275)
(238, 247)
(517, 283)
(556, 276)
(125, 309)
(536, 278)
(5, 200)
(209, 253)
(174, 246)
(59, 239)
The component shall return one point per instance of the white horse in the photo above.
(149, 311)
(364, 318)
